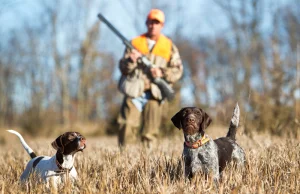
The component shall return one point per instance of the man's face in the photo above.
(154, 27)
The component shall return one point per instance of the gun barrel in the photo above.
(125, 41)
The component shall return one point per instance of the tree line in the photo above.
(55, 70)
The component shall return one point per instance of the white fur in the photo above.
(46, 167)
(236, 116)
(24, 144)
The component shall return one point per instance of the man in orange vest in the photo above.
(143, 99)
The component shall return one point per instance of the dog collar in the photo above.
(62, 169)
(198, 143)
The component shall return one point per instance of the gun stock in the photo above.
(166, 90)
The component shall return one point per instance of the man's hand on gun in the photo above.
(134, 55)
(155, 71)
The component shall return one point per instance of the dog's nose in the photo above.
(190, 119)
(82, 139)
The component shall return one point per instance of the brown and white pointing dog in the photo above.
(55, 167)
(200, 152)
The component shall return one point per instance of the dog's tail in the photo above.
(234, 123)
(27, 148)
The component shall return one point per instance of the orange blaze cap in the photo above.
(156, 14)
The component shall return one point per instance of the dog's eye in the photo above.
(198, 112)
(72, 136)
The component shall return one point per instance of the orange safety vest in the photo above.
(163, 46)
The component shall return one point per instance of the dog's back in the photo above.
(36, 163)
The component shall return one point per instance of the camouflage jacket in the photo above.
(138, 76)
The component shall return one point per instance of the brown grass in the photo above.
(273, 167)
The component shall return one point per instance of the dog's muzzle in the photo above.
(81, 143)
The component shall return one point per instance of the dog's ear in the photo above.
(57, 143)
(176, 119)
(206, 120)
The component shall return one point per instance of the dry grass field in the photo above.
(273, 167)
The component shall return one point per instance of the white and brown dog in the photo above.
(55, 167)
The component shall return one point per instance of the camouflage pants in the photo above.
(130, 120)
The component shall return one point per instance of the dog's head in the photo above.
(69, 143)
(192, 120)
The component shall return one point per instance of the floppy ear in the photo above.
(57, 144)
(206, 120)
(176, 119)
(78, 134)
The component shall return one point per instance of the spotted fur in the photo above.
(213, 156)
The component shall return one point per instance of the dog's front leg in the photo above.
(52, 183)
(214, 168)
(73, 174)
(188, 171)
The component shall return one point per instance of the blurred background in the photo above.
(59, 63)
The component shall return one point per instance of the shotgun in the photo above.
(166, 90)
